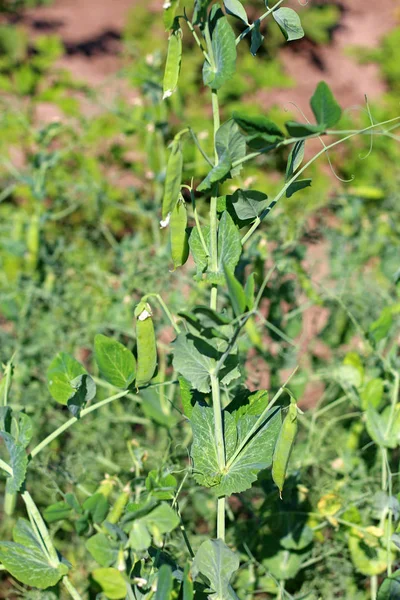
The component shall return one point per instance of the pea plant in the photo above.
(236, 432)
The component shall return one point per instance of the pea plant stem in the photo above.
(215, 387)
(86, 411)
(70, 589)
(40, 529)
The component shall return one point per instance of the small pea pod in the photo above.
(146, 344)
(106, 486)
(173, 178)
(173, 63)
(283, 446)
(118, 508)
(178, 235)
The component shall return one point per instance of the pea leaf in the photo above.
(196, 248)
(289, 23)
(324, 106)
(164, 583)
(191, 363)
(103, 550)
(248, 204)
(57, 512)
(229, 248)
(215, 561)
(236, 8)
(231, 147)
(24, 535)
(97, 506)
(295, 159)
(85, 390)
(223, 44)
(390, 588)
(18, 462)
(296, 129)
(255, 456)
(29, 566)
(380, 328)
(111, 581)
(170, 9)
(260, 131)
(236, 292)
(296, 186)
(256, 38)
(60, 374)
(116, 363)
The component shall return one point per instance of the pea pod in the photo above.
(283, 446)
(173, 63)
(178, 234)
(106, 486)
(146, 344)
(173, 178)
(117, 509)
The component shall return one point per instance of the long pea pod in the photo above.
(284, 446)
(173, 63)
(117, 510)
(173, 178)
(146, 344)
(178, 234)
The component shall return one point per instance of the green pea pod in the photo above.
(106, 486)
(178, 235)
(173, 178)
(283, 447)
(146, 344)
(118, 508)
(173, 64)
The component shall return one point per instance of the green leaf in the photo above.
(390, 588)
(324, 106)
(191, 363)
(372, 394)
(18, 462)
(224, 52)
(367, 560)
(187, 586)
(215, 561)
(111, 581)
(24, 535)
(116, 363)
(256, 38)
(230, 146)
(164, 583)
(173, 178)
(260, 131)
(29, 566)
(296, 186)
(60, 374)
(103, 550)
(380, 328)
(97, 506)
(170, 13)
(162, 518)
(85, 390)
(186, 396)
(196, 248)
(229, 248)
(384, 428)
(236, 8)
(218, 173)
(248, 204)
(289, 23)
(200, 11)
(57, 512)
(173, 63)
(249, 290)
(236, 292)
(295, 159)
(284, 564)
(300, 130)
(255, 456)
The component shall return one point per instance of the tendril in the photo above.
(324, 145)
(371, 139)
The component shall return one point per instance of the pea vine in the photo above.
(234, 438)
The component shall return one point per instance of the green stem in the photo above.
(41, 530)
(196, 219)
(6, 467)
(251, 27)
(70, 589)
(165, 309)
(374, 587)
(73, 420)
(221, 518)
